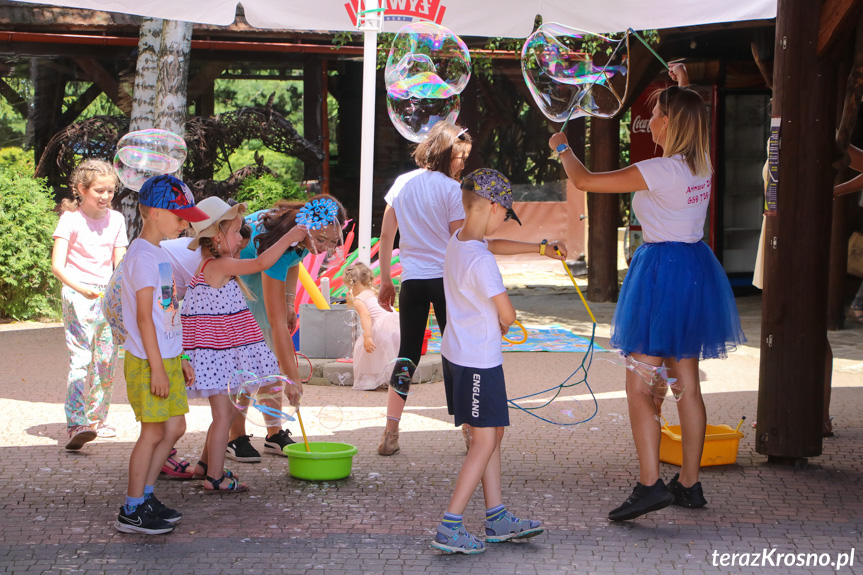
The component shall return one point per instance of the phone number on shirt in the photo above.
(698, 198)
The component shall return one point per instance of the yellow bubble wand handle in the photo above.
(569, 273)
(523, 330)
(303, 429)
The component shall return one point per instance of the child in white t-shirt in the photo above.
(478, 314)
(155, 369)
(89, 241)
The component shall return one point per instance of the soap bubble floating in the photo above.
(259, 399)
(427, 68)
(147, 153)
(401, 372)
(571, 73)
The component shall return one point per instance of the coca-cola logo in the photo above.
(640, 125)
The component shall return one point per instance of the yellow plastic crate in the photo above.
(720, 445)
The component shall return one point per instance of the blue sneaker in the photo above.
(511, 527)
(456, 541)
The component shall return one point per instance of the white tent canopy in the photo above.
(507, 18)
(504, 18)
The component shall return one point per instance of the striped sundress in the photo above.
(221, 337)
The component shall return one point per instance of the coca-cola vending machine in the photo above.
(641, 147)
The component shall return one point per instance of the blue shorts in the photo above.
(475, 396)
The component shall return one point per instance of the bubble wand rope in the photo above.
(588, 357)
(303, 429)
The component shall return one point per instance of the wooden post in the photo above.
(325, 128)
(794, 318)
(312, 120)
(603, 213)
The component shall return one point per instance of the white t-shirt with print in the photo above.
(184, 262)
(674, 206)
(146, 265)
(471, 278)
(425, 203)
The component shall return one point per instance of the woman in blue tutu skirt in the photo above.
(676, 306)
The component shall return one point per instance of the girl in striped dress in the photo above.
(220, 335)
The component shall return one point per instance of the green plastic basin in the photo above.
(324, 461)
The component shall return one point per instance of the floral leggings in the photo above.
(92, 355)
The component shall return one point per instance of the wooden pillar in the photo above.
(49, 86)
(603, 213)
(468, 117)
(312, 121)
(794, 318)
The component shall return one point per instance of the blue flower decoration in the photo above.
(317, 214)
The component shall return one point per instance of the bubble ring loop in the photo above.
(522, 340)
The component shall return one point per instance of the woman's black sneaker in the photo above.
(241, 450)
(643, 500)
(161, 510)
(277, 442)
(690, 497)
(141, 520)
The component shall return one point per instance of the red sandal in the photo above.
(177, 469)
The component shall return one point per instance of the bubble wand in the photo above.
(303, 429)
(569, 273)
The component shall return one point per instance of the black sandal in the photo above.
(234, 486)
(204, 474)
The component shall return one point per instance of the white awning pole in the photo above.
(370, 24)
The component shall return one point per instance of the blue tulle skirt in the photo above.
(676, 302)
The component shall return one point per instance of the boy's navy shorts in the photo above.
(475, 396)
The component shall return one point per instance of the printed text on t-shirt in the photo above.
(698, 193)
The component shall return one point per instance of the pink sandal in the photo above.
(177, 469)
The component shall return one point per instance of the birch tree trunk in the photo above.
(143, 106)
(173, 76)
(162, 74)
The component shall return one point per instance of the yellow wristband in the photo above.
(542, 245)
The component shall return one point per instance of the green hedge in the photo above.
(28, 288)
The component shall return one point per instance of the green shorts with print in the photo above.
(149, 408)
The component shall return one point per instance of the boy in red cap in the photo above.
(156, 374)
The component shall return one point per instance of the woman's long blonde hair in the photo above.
(688, 131)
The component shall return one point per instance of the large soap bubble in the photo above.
(572, 73)
(427, 68)
(147, 153)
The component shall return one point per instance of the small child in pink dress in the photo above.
(380, 342)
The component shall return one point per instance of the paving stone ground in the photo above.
(56, 507)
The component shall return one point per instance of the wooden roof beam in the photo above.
(838, 18)
(97, 74)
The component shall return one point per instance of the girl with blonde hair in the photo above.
(676, 305)
(380, 342)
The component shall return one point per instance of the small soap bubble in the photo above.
(330, 416)
(352, 318)
(401, 372)
(147, 153)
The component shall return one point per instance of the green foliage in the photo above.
(17, 161)
(263, 192)
(28, 288)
